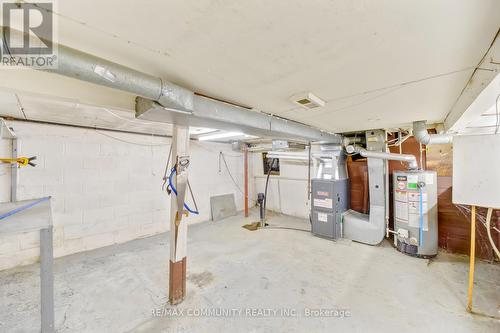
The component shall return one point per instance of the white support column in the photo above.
(178, 228)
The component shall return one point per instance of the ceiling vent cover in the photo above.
(308, 100)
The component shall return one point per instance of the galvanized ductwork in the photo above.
(166, 102)
(86, 67)
(211, 113)
(422, 136)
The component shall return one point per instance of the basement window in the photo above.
(275, 168)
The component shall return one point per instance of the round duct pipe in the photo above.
(423, 137)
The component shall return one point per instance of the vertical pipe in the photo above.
(309, 173)
(245, 154)
(421, 217)
(472, 256)
(421, 157)
(14, 173)
(386, 186)
(46, 281)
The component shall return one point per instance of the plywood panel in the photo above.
(358, 177)
(454, 221)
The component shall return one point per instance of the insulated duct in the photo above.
(166, 102)
(423, 137)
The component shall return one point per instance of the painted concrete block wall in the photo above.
(287, 193)
(106, 190)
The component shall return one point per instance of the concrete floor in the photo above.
(116, 289)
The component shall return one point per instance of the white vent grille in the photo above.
(308, 100)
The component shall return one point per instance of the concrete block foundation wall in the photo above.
(105, 190)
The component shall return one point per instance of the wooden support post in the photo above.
(472, 256)
(245, 153)
(309, 160)
(178, 228)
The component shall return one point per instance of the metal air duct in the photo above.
(166, 102)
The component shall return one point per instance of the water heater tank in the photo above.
(415, 212)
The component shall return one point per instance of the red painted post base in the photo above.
(177, 281)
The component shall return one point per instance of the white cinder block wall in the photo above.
(104, 190)
(286, 193)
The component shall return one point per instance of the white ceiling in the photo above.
(66, 111)
(376, 63)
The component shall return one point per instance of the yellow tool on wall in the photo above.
(20, 161)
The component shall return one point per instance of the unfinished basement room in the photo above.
(178, 166)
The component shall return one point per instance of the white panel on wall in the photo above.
(476, 170)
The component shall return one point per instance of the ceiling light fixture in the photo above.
(220, 135)
(201, 130)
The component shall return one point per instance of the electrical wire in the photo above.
(488, 231)
(466, 212)
(131, 142)
(286, 228)
(221, 156)
(165, 177)
(171, 184)
(405, 83)
(267, 183)
(217, 152)
(399, 140)
(134, 121)
(480, 218)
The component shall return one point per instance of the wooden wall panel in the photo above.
(358, 177)
(453, 221)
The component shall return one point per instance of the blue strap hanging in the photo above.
(171, 184)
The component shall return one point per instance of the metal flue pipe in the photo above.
(410, 159)
(422, 136)
(168, 97)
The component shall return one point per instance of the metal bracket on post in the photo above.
(14, 173)
(178, 229)
(245, 162)
(8, 133)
